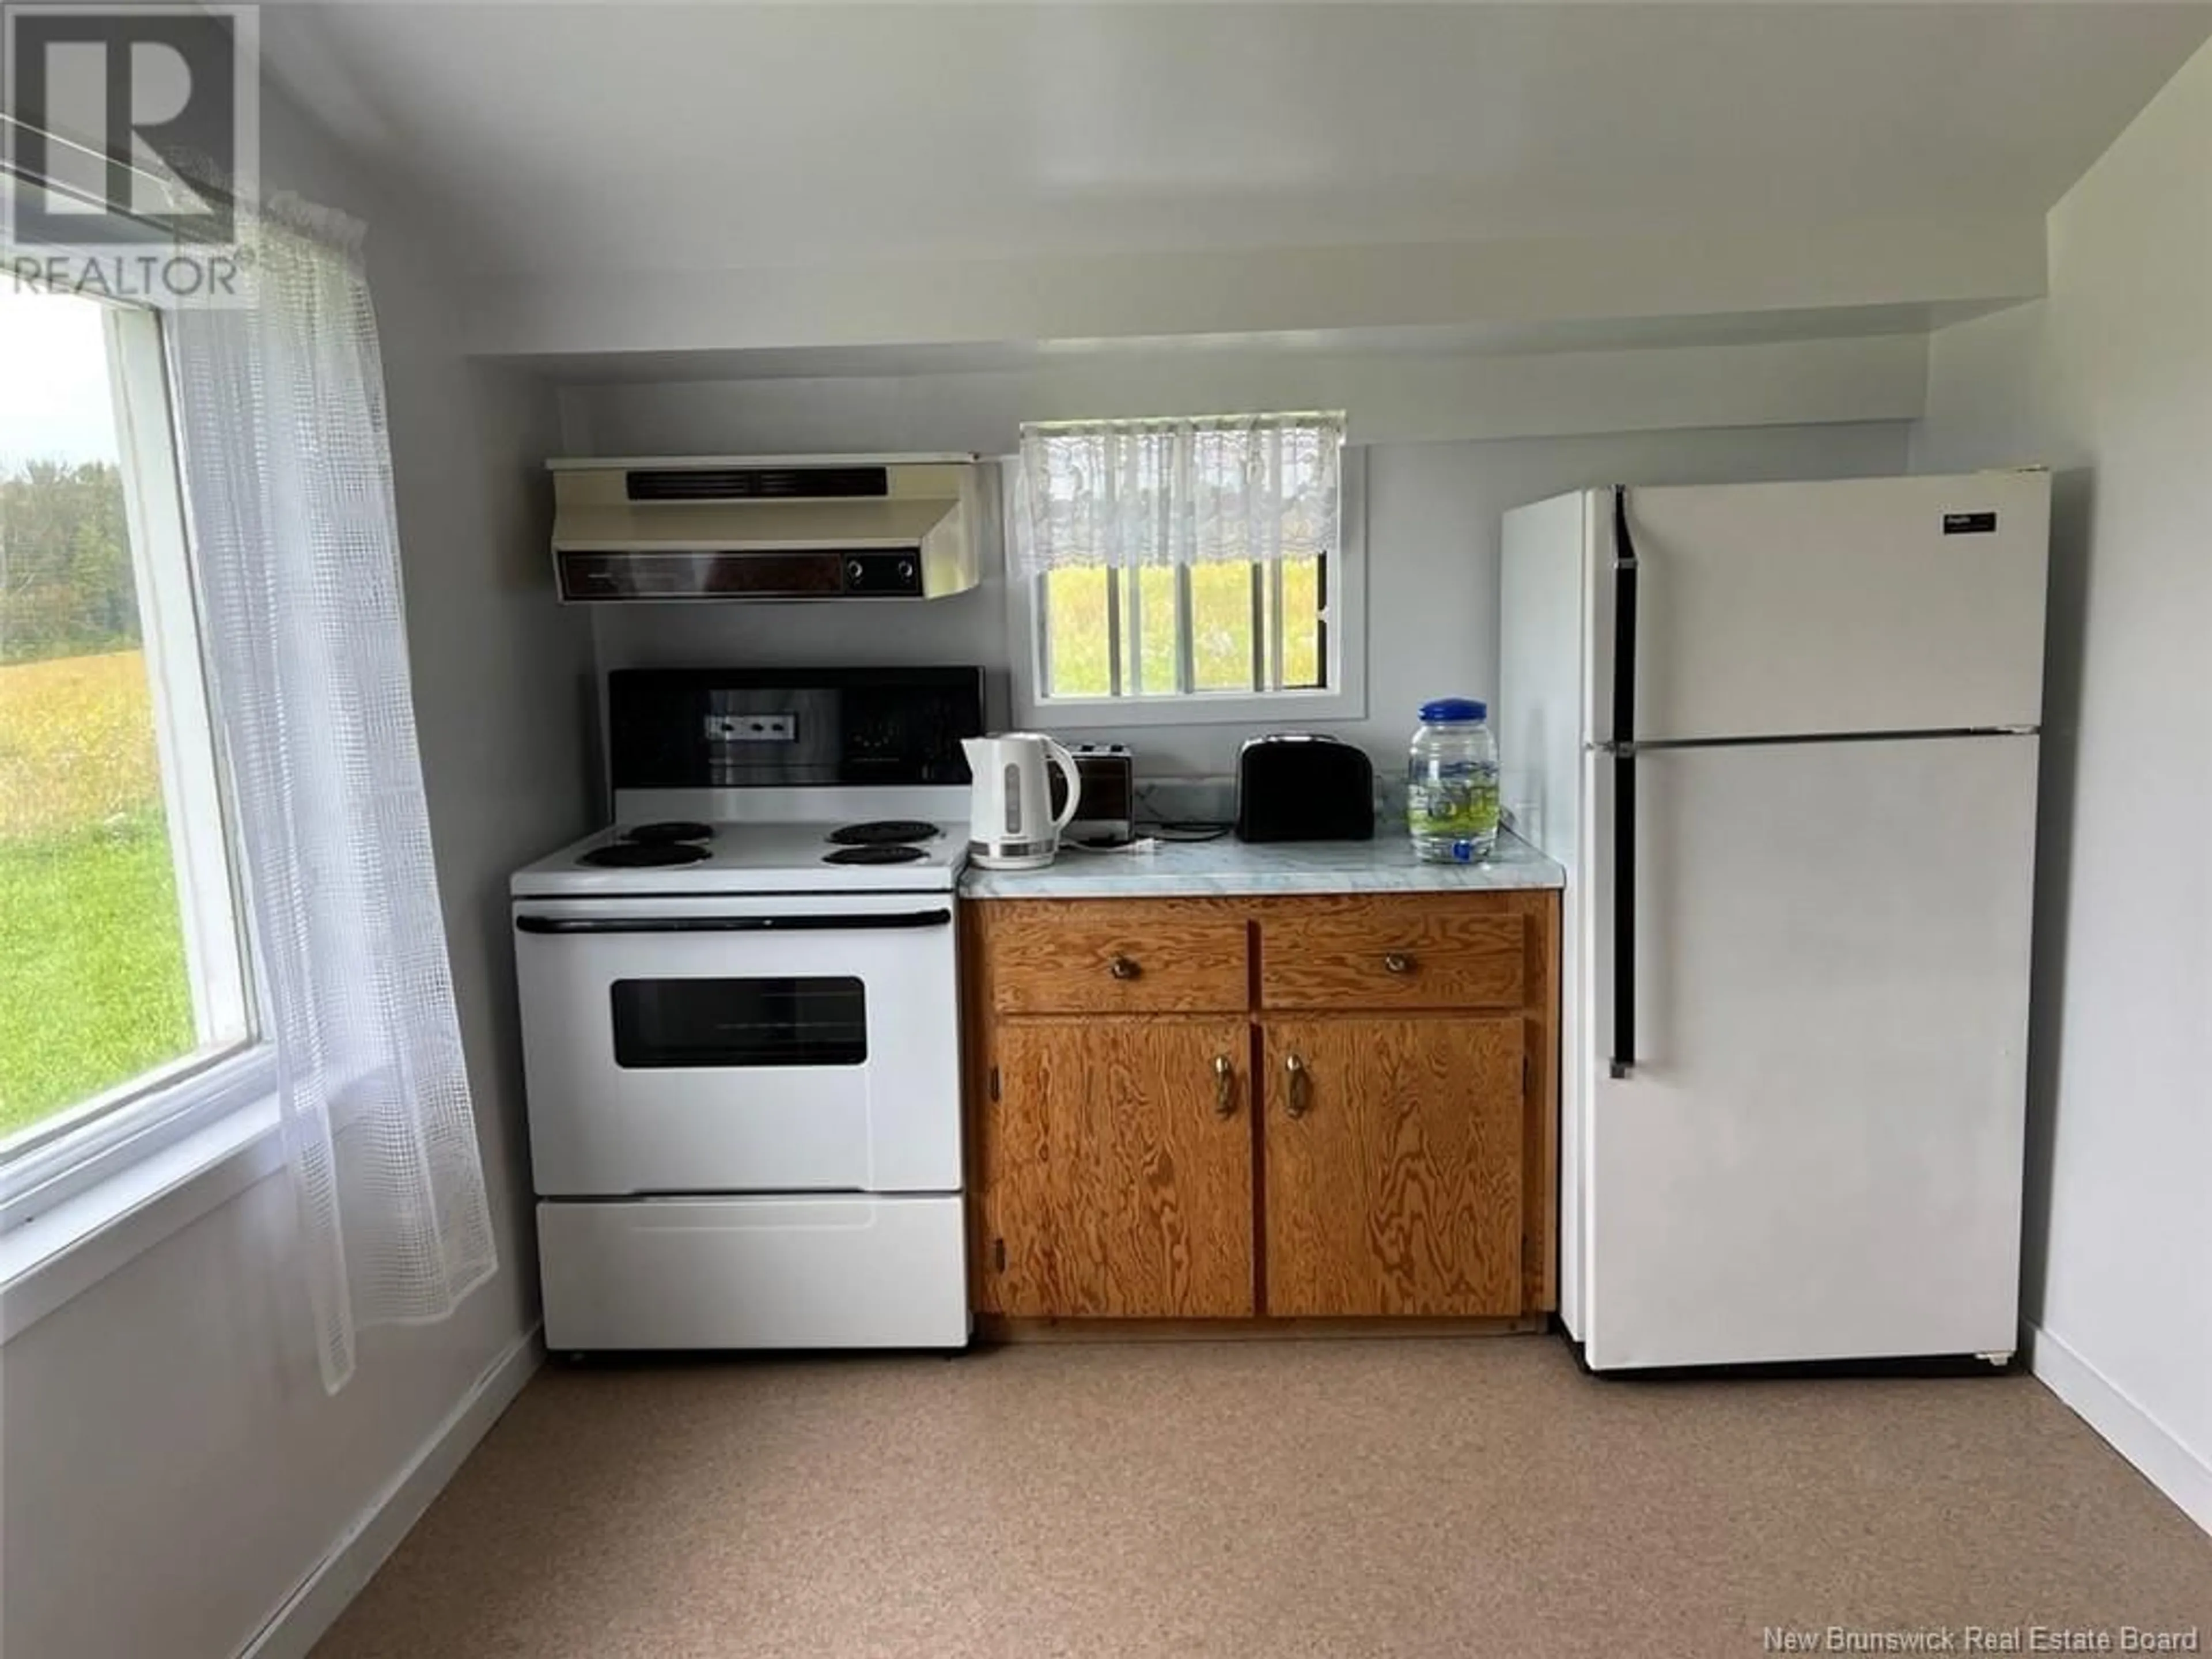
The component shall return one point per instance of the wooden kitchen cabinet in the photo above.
(1141, 1146)
(1393, 1165)
(1121, 1168)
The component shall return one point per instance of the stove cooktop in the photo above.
(813, 856)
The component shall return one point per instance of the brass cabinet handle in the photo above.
(1301, 1091)
(1123, 968)
(1224, 1087)
(1398, 962)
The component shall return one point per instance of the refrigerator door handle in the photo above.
(1624, 784)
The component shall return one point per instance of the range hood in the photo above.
(767, 527)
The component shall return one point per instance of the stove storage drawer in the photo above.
(1111, 956)
(849, 1271)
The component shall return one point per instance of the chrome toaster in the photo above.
(1108, 811)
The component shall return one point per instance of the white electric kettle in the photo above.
(1009, 818)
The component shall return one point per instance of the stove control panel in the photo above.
(717, 728)
(753, 728)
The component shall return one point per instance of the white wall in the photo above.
(2110, 380)
(1838, 267)
(1432, 525)
(173, 1468)
(1411, 390)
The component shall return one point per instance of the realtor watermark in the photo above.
(1979, 1639)
(131, 150)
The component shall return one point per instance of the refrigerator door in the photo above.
(1816, 1154)
(1793, 609)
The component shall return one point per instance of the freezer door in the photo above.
(1867, 604)
(1816, 1154)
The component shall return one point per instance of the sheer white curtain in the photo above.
(288, 474)
(1186, 491)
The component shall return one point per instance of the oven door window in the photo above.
(739, 1021)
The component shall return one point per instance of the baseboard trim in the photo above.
(334, 1581)
(996, 1330)
(2131, 1431)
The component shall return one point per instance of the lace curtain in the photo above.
(1172, 492)
(288, 478)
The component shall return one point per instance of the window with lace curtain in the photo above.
(1183, 569)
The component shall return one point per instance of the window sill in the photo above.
(71, 1247)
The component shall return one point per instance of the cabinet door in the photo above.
(1117, 1170)
(1393, 1166)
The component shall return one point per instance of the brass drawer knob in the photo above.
(1123, 968)
(1398, 962)
(1224, 1087)
(1299, 1096)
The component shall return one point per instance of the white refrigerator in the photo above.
(1782, 737)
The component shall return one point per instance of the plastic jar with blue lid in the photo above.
(1452, 783)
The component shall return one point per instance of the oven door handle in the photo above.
(854, 921)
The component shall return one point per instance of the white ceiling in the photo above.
(669, 137)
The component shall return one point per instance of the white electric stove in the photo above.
(740, 1013)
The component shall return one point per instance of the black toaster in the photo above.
(1301, 785)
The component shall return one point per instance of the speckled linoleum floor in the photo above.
(1476, 1497)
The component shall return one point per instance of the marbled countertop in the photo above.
(1231, 867)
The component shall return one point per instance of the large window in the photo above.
(124, 979)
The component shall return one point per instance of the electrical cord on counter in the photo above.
(1191, 830)
(1156, 834)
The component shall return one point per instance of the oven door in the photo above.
(797, 1043)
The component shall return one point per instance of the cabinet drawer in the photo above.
(1111, 956)
(1401, 951)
